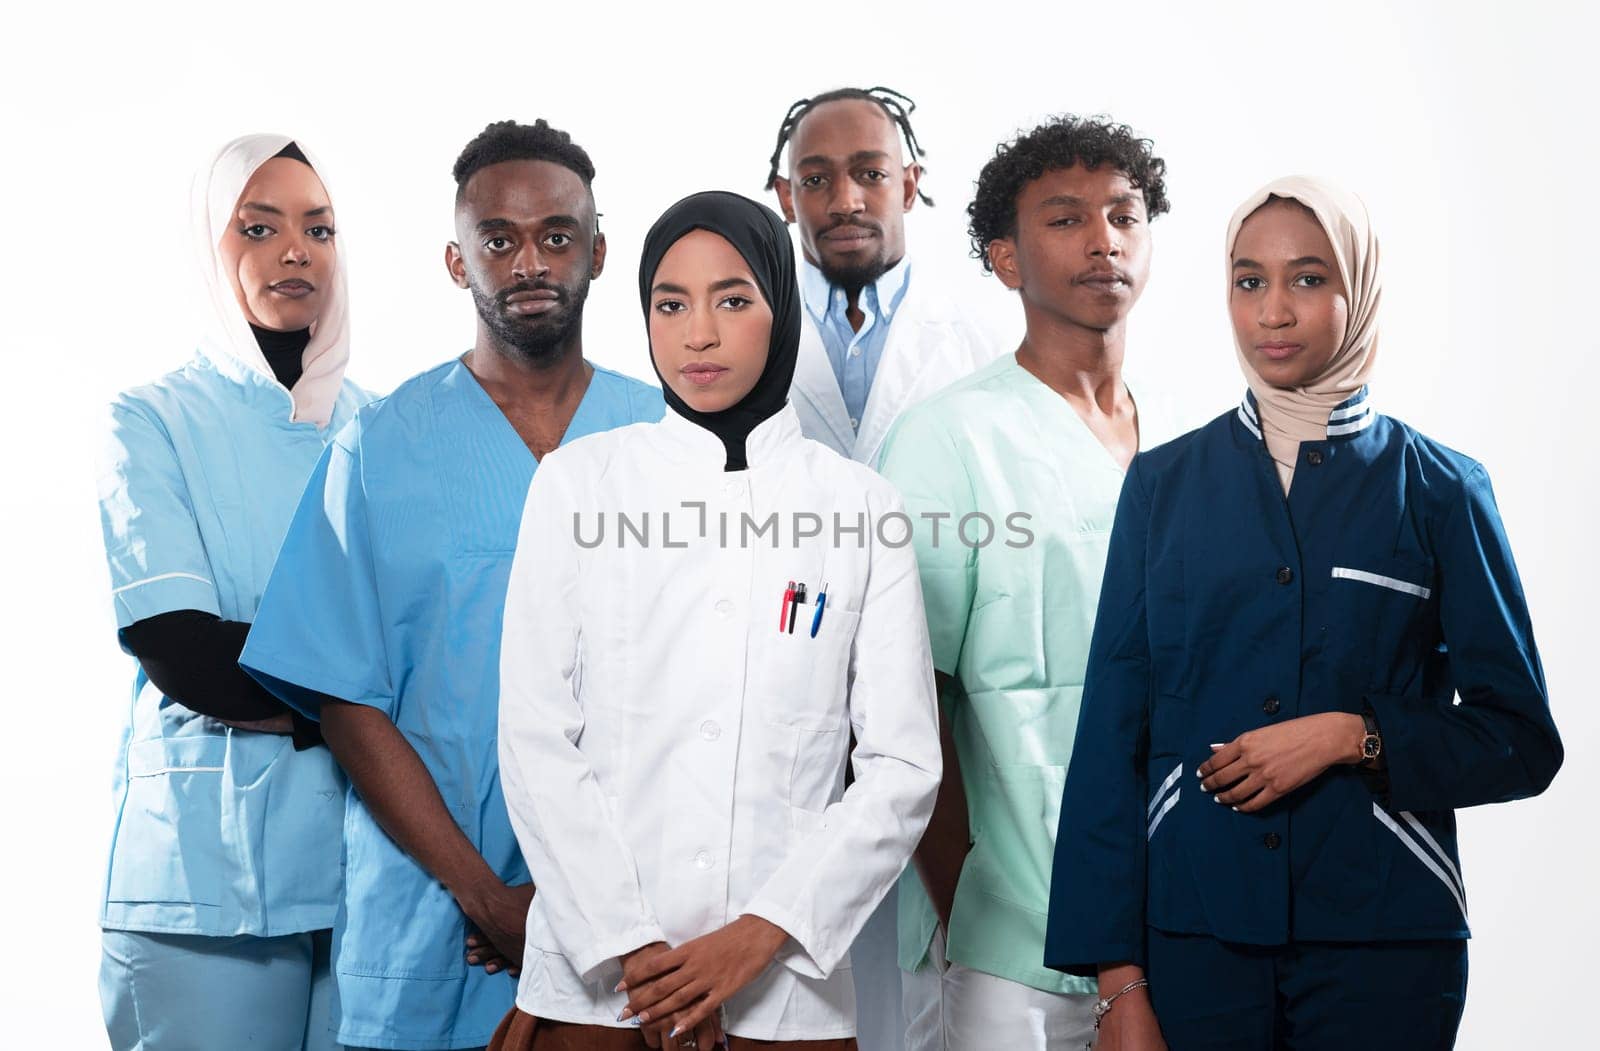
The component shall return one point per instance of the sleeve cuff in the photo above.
(164, 593)
(801, 953)
(602, 962)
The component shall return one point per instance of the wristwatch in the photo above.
(1372, 740)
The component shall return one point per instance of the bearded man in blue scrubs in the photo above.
(382, 618)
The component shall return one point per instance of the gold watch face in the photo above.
(1371, 746)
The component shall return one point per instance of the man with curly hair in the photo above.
(382, 615)
(1061, 216)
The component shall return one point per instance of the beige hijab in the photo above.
(213, 198)
(1293, 415)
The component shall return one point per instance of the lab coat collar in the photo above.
(689, 443)
(1349, 418)
(262, 389)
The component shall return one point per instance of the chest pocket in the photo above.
(1381, 607)
(803, 679)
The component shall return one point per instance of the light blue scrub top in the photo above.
(218, 831)
(389, 592)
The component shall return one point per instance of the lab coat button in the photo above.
(724, 606)
(703, 860)
(855, 352)
(855, 424)
(1272, 840)
(1285, 575)
(1314, 458)
(710, 730)
(1271, 706)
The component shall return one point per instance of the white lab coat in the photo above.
(931, 344)
(671, 760)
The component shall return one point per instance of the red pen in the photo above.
(788, 600)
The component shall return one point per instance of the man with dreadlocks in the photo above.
(876, 339)
(1061, 216)
(382, 615)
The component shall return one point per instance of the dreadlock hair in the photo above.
(506, 140)
(897, 107)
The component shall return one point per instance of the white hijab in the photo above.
(213, 200)
(1291, 415)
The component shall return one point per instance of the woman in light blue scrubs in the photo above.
(225, 861)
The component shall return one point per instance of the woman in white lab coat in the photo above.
(701, 611)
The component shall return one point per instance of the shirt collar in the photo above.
(1349, 417)
(888, 290)
(687, 442)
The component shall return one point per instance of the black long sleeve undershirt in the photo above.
(193, 658)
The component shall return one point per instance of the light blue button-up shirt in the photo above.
(854, 355)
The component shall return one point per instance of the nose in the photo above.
(846, 199)
(295, 252)
(700, 334)
(1102, 239)
(1277, 308)
(528, 264)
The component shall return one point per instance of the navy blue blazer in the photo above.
(1383, 581)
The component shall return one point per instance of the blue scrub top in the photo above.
(1384, 581)
(218, 831)
(389, 592)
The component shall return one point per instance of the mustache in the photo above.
(503, 296)
(851, 224)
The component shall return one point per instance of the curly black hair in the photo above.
(506, 140)
(1060, 142)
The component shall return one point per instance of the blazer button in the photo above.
(1314, 458)
(1271, 706)
(1285, 574)
(1271, 840)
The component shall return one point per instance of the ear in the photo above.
(913, 175)
(1002, 254)
(456, 264)
(598, 262)
(785, 197)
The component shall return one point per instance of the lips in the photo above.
(1104, 280)
(533, 301)
(702, 373)
(847, 237)
(292, 287)
(1278, 349)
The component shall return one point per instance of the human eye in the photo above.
(670, 306)
(497, 243)
(1125, 220)
(1064, 220)
(735, 302)
(558, 239)
(1249, 283)
(875, 175)
(1310, 280)
(321, 233)
(811, 182)
(257, 231)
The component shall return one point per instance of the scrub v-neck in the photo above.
(1088, 431)
(485, 403)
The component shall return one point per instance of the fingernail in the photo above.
(1216, 799)
(1235, 810)
(644, 1016)
(622, 987)
(637, 1021)
(674, 1034)
(627, 1013)
(1215, 747)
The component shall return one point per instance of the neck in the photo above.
(510, 376)
(1073, 360)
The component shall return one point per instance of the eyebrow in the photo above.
(256, 206)
(716, 286)
(498, 223)
(1305, 260)
(858, 157)
(1073, 201)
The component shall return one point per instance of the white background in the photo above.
(1468, 127)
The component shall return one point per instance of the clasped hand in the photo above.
(675, 992)
(1260, 767)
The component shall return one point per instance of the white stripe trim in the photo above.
(1342, 573)
(1171, 780)
(1244, 417)
(179, 770)
(1423, 834)
(1171, 802)
(159, 577)
(1356, 424)
(1349, 411)
(1422, 856)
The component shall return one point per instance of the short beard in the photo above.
(854, 278)
(538, 341)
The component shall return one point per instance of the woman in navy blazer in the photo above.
(1257, 843)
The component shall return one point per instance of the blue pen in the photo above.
(822, 600)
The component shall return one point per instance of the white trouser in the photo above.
(954, 1008)
(875, 964)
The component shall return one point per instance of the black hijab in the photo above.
(758, 235)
